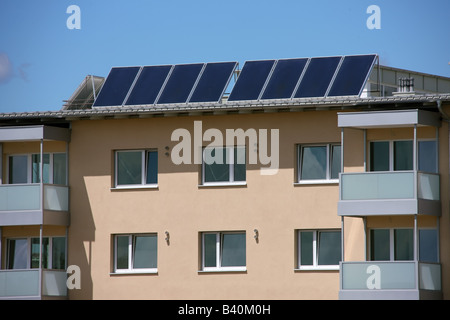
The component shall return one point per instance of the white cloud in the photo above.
(6, 68)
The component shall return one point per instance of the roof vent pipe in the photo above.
(405, 86)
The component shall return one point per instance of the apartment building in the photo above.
(312, 178)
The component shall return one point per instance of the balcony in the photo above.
(24, 284)
(405, 280)
(33, 204)
(389, 193)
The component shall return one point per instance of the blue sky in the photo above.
(42, 61)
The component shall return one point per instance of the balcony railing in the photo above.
(388, 185)
(392, 192)
(24, 284)
(390, 280)
(25, 204)
(21, 197)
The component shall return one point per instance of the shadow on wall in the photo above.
(81, 238)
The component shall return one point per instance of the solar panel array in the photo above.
(182, 83)
(303, 78)
(258, 80)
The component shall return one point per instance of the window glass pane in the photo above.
(404, 244)
(129, 167)
(59, 253)
(17, 253)
(428, 245)
(145, 251)
(427, 156)
(209, 250)
(306, 248)
(18, 169)
(314, 162)
(329, 247)
(239, 164)
(379, 245)
(403, 155)
(59, 168)
(35, 159)
(35, 252)
(152, 167)
(379, 156)
(217, 168)
(122, 252)
(233, 250)
(335, 162)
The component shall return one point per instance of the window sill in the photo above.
(133, 187)
(317, 268)
(223, 184)
(223, 270)
(316, 182)
(132, 272)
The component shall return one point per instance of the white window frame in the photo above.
(392, 241)
(231, 165)
(329, 147)
(144, 166)
(391, 153)
(130, 268)
(30, 166)
(29, 247)
(315, 265)
(218, 267)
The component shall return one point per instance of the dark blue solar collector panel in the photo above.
(284, 79)
(317, 77)
(213, 82)
(251, 80)
(352, 75)
(148, 85)
(180, 84)
(116, 86)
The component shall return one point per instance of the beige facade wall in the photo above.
(273, 204)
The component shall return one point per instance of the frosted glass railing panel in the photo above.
(56, 198)
(372, 275)
(19, 197)
(430, 276)
(19, 283)
(54, 283)
(428, 186)
(377, 185)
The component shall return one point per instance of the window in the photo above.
(319, 249)
(17, 254)
(428, 245)
(319, 162)
(135, 253)
(428, 156)
(222, 165)
(18, 166)
(398, 244)
(27, 168)
(136, 168)
(36, 168)
(398, 155)
(24, 253)
(223, 251)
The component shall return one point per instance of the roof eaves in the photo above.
(227, 106)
